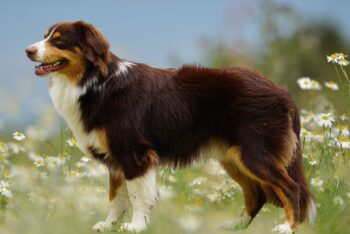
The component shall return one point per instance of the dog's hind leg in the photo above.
(254, 197)
(252, 161)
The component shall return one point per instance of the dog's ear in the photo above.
(94, 46)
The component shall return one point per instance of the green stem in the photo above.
(338, 75)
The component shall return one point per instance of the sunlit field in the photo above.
(48, 186)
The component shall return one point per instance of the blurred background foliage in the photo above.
(287, 50)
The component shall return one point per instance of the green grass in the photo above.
(71, 195)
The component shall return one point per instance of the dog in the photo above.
(134, 118)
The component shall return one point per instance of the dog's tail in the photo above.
(296, 172)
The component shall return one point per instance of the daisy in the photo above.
(315, 85)
(343, 129)
(71, 142)
(53, 162)
(308, 84)
(305, 134)
(85, 159)
(332, 58)
(313, 162)
(37, 159)
(39, 162)
(332, 85)
(343, 62)
(317, 136)
(338, 58)
(304, 83)
(343, 142)
(343, 117)
(5, 189)
(341, 55)
(305, 119)
(317, 183)
(325, 119)
(18, 136)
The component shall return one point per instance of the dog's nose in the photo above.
(31, 51)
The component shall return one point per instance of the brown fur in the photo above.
(114, 183)
(149, 116)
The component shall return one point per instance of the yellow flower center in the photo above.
(343, 139)
(325, 117)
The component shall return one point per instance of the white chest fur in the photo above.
(65, 96)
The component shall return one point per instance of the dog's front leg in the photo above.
(143, 195)
(119, 202)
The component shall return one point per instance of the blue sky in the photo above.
(143, 30)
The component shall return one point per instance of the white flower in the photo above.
(317, 136)
(343, 62)
(343, 117)
(18, 136)
(313, 162)
(304, 83)
(5, 189)
(198, 181)
(317, 183)
(315, 85)
(325, 119)
(343, 142)
(332, 85)
(343, 129)
(338, 58)
(308, 84)
(71, 142)
(37, 159)
(332, 58)
(341, 55)
(85, 159)
(53, 162)
(305, 134)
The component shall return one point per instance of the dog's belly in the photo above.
(65, 96)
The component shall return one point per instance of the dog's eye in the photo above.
(58, 40)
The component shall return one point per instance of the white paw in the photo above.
(102, 226)
(132, 227)
(283, 229)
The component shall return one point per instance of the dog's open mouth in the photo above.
(46, 68)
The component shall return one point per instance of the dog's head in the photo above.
(68, 47)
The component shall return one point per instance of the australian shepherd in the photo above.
(134, 118)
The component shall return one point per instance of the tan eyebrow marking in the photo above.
(46, 33)
(56, 35)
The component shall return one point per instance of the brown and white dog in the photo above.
(133, 118)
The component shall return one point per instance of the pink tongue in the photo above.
(46, 67)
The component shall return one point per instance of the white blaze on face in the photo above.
(41, 47)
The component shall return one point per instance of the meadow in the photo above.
(48, 186)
